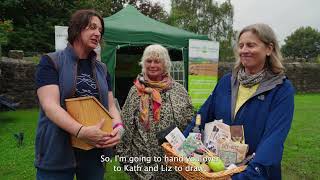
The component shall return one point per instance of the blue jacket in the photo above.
(53, 147)
(266, 118)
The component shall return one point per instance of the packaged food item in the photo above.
(237, 134)
(226, 141)
(216, 132)
(232, 152)
(175, 138)
(191, 144)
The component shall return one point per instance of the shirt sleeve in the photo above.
(109, 82)
(46, 74)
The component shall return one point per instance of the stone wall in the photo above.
(17, 81)
(304, 76)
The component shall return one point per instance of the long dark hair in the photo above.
(79, 21)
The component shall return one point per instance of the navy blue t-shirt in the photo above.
(46, 74)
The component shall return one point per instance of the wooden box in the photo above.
(87, 111)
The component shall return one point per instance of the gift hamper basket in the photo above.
(191, 175)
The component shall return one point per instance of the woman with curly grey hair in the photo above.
(155, 102)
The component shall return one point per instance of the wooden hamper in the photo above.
(87, 111)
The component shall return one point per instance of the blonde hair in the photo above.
(156, 51)
(267, 36)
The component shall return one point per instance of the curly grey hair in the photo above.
(156, 51)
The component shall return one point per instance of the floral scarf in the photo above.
(150, 90)
(248, 80)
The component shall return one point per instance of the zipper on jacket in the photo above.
(239, 113)
(93, 67)
(73, 92)
(233, 81)
(244, 104)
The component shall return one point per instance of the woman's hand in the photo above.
(113, 138)
(93, 134)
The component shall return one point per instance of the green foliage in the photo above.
(146, 7)
(203, 17)
(5, 29)
(34, 59)
(226, 51)
(304, 43)
(318, 59)
(33, 21)
(206, 17)
(101, 6)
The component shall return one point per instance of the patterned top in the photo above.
(138, 142)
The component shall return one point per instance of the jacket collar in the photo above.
(70, 50)
(270, 81)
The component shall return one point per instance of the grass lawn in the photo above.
(16, 163)
(301, 157)
(300, 161)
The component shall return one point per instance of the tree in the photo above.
(154, 11)
(110, 7)
(146, 7)
(104, 7)
(34, 20)
(5, 29)
(203, 17)
(206, 17)
(303, 43)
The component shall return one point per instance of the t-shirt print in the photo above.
(86, 86)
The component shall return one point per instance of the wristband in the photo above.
(117, 125)
(79, 131)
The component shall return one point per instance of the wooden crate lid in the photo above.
(87, 111)
(70, 100)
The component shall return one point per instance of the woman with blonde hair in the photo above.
(267, 36)
(155, 102)
(258, 96)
